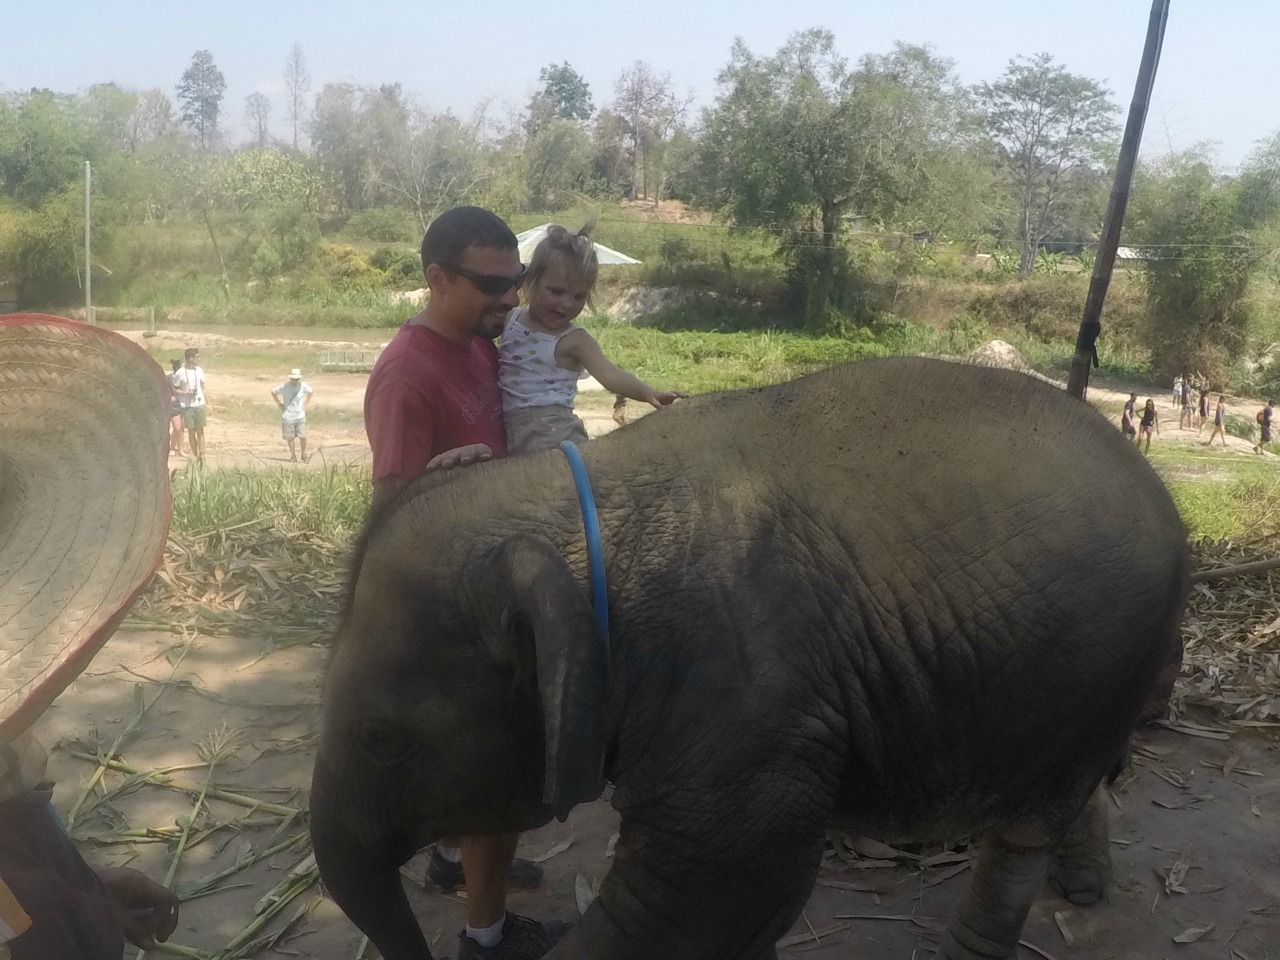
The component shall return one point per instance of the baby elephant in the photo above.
(915, 598)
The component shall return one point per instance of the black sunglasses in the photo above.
(490, 284)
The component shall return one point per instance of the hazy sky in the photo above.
(1217, 80)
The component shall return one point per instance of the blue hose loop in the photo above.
(591, 524)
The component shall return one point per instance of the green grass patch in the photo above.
(1223, 496)
(703, 361)
(331, 502)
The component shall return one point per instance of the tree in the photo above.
(42, 149)
(257, 117)
(609, 153)
(557, 164)
(797, 141)
(568, 93)
(956, 189)
(200, 96)
(336, 140)
(106, 110)
(418, 159)
(1191, 224)
(151, 119)
(297, 84)
(652, 112)
(1052, 131)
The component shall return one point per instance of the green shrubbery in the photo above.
(383, 225)
(402, 267)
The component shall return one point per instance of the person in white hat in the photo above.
(83, 524)
(292, 397)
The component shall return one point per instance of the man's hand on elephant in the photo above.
(147, 911)
(460, 457)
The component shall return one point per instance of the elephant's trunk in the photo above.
(360, 867)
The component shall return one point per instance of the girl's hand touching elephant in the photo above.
(460, 457)
(662, 398)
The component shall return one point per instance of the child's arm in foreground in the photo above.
(582, 347)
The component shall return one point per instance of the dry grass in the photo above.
(1231, 636)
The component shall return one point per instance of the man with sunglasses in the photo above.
(432, 402)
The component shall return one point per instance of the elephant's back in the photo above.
(884, 430)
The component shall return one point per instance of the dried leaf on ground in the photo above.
(1177, 874)
(559, 848)
(582, 893)
(1060, 919)
(1192, 934)
(942, 876)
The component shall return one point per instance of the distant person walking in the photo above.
(1177, 392)
(175, 410)
(189, 386)
(1204, 408)
(1127, 417)
(1264, 427)
(1150, 421)
(1187, 420)
(292, 397)
(1219, 422)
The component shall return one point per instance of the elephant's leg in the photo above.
(653, 905)
(1007, 878)
(1081, 866)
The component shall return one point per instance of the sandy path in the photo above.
(335, 428)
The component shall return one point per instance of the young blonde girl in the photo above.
(543, 354)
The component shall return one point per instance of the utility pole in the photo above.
(1091, 325)
(88, 263)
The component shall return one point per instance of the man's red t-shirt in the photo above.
(426, 395)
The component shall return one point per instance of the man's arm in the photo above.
(385, 489)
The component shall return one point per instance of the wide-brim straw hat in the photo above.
(84, 499)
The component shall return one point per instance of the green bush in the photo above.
(383, 225)
(340, 268)
(1240, 426)
(400, 265)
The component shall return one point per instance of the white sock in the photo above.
(489, 936)
(452, 854)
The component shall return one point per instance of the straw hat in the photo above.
(295, 374)
(84, 499)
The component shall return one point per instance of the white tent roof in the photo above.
(531, 238)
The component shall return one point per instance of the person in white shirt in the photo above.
(189, 388)
(292, 397)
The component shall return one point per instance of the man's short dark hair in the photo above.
(191, 352)
(454, 230)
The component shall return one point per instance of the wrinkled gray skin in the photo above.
(916, 598)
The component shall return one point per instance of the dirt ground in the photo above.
(1176, 805)
(248, 435)
(1196, 822)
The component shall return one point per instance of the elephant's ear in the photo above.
(572, 669)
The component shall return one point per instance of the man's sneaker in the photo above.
(447, 875)
(522, 939)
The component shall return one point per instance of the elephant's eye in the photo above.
(387, 744)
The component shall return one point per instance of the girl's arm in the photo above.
(582, 348)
